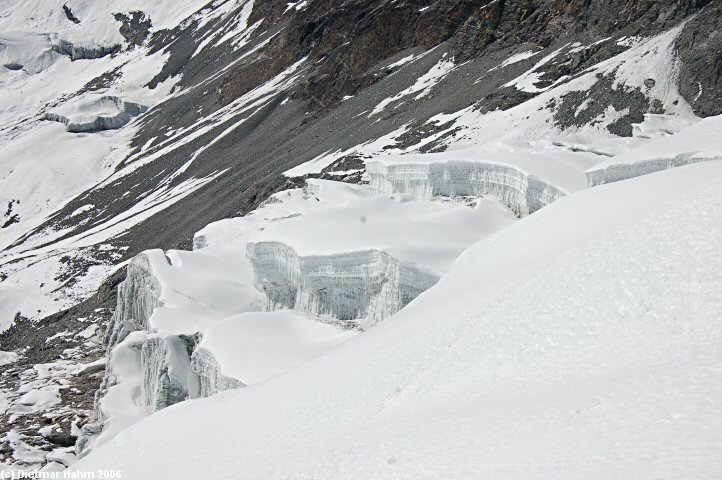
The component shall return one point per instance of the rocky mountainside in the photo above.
(129, 126)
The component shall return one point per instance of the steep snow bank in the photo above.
(581, 342)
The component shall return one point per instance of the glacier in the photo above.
(349, 259)
(505, 363)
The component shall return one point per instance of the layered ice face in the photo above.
(523, 178)
(363, 286)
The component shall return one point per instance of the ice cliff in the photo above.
(104, 113)
(147, 370)
(696, 143)
(522, 193)
(365, 286)
(525, 178)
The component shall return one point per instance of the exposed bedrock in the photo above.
(522, 193)
(363, 286)
(86, 121)
(699, 46)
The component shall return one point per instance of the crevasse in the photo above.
(521, 192)
(363, 286)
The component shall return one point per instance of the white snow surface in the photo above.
(252, 347)
(580, 342)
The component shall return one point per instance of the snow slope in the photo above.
(581, 342)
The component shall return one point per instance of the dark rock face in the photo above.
(69, 14)
(135, 27)
(700, 49)
(579, 108)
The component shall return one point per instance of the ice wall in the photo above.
(147, 371)
(138, 297)
(168, 376)
(624, 171)
(695, 143)
(75, 52)
(211, 380)
(521, 192)
(105, 113)
(365, 286)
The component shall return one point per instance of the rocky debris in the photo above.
(135, 27)
(101, 82)
(503, 99)
(51, 385)
(11, 220)
(347, 169)
(587, 107)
